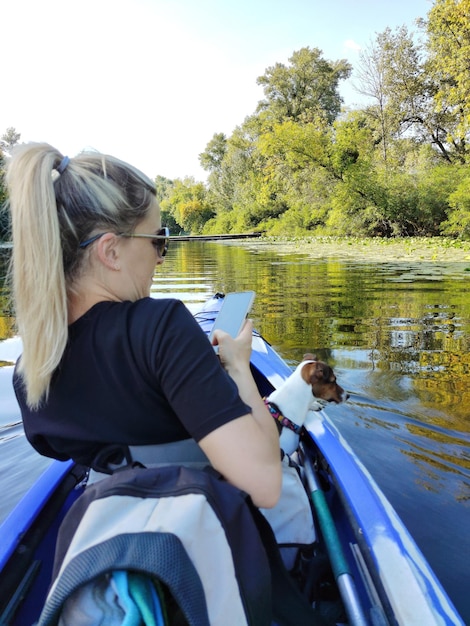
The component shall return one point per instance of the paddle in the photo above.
(341, 571)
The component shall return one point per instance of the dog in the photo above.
(309, 387)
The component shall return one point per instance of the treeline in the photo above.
(303, 165)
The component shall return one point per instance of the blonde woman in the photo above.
(103, 363)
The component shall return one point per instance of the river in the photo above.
(397, 333)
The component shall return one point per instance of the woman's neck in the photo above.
(79, 301)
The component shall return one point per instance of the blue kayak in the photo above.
(375, 568)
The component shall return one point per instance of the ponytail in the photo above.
(55, 204)
(39, 291)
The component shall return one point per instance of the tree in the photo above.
(458, 222)
(212, 157)
(448, 33)
(220, 180)
(371, 73)
(249, 184)
(396, 74)
(9, 138)
(163, 187)
(305, 89)
(388, 170)
(188, 204)
(233, 178)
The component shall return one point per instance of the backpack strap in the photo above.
(290, 606)
(116, 457)
(111, 458)
(184, 451)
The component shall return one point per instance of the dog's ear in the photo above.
(310, 357)
(312, 372)
(317, 372)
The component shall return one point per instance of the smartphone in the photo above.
(232, 314)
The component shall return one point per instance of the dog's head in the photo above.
(322, 380)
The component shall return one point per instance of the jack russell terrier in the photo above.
(308, 388)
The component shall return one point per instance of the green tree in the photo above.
(188, 204)
(448, 46)
(371, 76)
(392, 169)
(305, 89)
(163, 187)
(9, 138)
(458, 222)
(421, 88)
(394, 72)
(235, 186)
(250, 184)
(220, 180)
(212, 157)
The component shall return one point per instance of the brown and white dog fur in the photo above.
(311, 381)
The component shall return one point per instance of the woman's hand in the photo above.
(234, 353)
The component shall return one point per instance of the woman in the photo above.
(102, 362)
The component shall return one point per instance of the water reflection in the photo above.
(407, 325)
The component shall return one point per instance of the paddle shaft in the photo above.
(339, 564)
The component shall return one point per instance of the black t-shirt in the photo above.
(133, 373)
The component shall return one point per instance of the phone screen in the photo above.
(232, 314)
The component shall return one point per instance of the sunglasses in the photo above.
(161, 239)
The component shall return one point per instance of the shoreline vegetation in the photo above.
(406, 249)
(381, 250)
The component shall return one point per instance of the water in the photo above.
(397, 335)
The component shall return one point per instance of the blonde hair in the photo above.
(51, 214)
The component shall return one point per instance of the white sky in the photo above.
(151, 81)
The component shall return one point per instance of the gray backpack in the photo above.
(169, 545)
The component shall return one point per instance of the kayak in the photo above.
(373, 571)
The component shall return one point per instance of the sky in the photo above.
(151, 81)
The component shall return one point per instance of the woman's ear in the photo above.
(108, 251)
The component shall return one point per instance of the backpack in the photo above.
(149, 521)
(169, 545)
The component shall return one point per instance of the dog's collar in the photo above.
(282, 419)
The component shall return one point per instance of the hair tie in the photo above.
(63, 165)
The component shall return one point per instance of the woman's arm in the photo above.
(246, 450)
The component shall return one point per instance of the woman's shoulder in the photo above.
(154, 304)
(146, 315)
(155, 309)
(114, 310)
